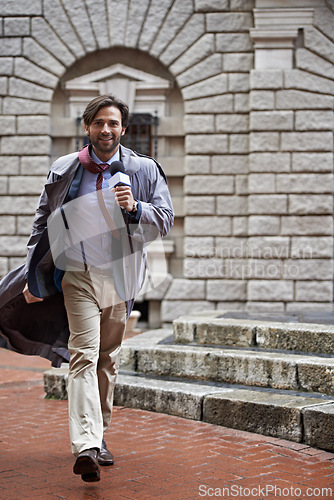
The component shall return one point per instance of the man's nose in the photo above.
(106, 129)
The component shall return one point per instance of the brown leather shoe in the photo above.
(104, 456)
(87, 465)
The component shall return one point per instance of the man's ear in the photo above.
(86, 129)
(123, 131)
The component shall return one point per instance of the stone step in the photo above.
(217, 328)
(299, 418)
(296, 417)
(155, 353)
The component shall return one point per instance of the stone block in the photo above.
(25, 144)
(311, 247)
(181, 399)
(226, 290)
(213, 86)
(308, 269)
(268, 247)
(314, 120)
(306, 81)
(197, 164)
(268, 79)
(238, 62)
(204, 268)
(239, 144)
(230, 164)
(7, 64)
(231, 123)
(177, 16)
(17, 26)
(306, 141)
(241, 102)
(318, 423)
(269, 290)
(13, 246)
(233, 42)
(35, 165)
(215, 104)
(294, 225)
(204, 47)
(211, 5)
(265, 225)
(208, 226)
(34, 125)
(231, 205)
(263, 141)
(206, 144)
(3, 85)
(319, 291)
(312, 204)
(199, 246)
(10, 46)
(7, 225)
(26, 185)
(270, 204)
(240, 226)
(241, 185)
(21, 88)
(211, 66)
(55, 383)
(9, 165)
(238, 82)
(316, 375)
(199, 124)
(209, 184)
(269, 162)
(261, 99)
(38, 55)
(16, 105)
(276, 415)
(13, 205)
(230, 247)
(299, 99)
(7, 125)
(13, 8)
(252, 269)
(199, 205)
(24, 224)
(3, 267)
(191, 289)
(172, 309)
(229, 22)
(185, 38)
(271, 120)
(135, 19)
(312, 162)
(27, 70)
(56, 16)
(261, 183)
(311, 62)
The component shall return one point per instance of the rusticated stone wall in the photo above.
(257, 82)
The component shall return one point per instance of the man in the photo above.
(96, 262)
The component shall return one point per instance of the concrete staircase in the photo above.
(272, 376)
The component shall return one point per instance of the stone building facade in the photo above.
(243, 91)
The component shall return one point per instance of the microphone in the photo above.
(118, 175)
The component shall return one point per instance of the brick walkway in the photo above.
(157, 456)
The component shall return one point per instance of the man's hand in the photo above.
(124, 198)
(29, 297)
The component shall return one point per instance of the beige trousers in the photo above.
(97, 319)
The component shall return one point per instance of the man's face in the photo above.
(105, 132)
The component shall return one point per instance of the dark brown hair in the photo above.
(101, 102)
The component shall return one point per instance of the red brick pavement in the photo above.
(156, 456)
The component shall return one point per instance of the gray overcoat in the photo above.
(41, 328)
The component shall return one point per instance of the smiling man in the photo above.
(102, 274)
